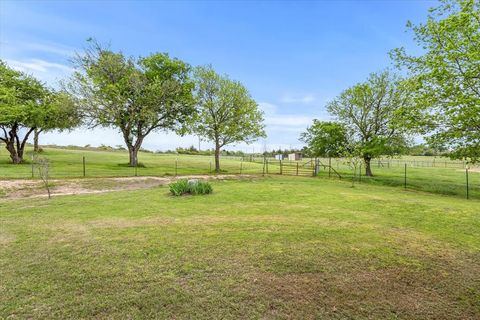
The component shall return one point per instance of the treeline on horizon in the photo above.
(415, 150)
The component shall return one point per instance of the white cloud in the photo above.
(37, 65)
(289, 120)
(267, 108)
(274, 118)
(17, 48)
(49, 72)
(305, 99)
(50, 48)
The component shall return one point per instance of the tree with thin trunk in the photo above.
(135, 95)
(226, 113)
(24, 104)
(368, 110)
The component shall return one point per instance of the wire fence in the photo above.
(447, 177)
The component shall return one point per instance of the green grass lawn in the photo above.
(275, 247)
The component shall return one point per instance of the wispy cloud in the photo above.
(308, 98)
(37, 65)
(49, 72)
(267, 108)
(283, 122)
(54, 48)
(289, 120)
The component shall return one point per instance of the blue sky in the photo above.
(293, 56)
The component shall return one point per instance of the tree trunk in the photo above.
(14, 144)
(133, 156)
(368, 167)
(14, 155)
(217, 157)
(36, 133)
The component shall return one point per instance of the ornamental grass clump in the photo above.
(193, 187)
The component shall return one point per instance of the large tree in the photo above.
(226, 112)
(326, 139)
(136, 96)
(368, 111)
(445, 78)
(25, 105)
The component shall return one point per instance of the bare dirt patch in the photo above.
(33, 188)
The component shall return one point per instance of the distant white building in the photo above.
(279, 157)
(295, 156)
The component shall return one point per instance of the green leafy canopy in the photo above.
(445, 78)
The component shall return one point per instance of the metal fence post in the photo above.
(405, 177)
(84, 171)
(32, 166)
(329, 166)
(354, 174)
(297, 168)
(176, 165)
(281, 169)
(241, 167)
(466, 176)
(210, 167)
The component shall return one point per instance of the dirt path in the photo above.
(34, 188)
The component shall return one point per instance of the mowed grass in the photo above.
(274, 247)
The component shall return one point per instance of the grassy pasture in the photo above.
(447, 177)
(67, 163)
(274, 247)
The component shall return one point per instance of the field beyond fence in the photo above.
(429, 174)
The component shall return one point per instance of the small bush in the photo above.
(193, 187)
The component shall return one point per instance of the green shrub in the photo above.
(194, 187)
